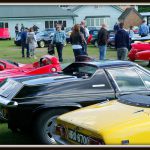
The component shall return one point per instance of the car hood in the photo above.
(105, 118)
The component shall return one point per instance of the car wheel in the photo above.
(41, 44)
(95, 44)
(45, 124)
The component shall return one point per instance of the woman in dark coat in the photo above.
(76, 39)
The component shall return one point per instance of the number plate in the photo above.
(78, 137)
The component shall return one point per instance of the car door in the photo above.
(128, 80)
(91, 89)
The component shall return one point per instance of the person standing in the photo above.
(22, 28)
(131, 35)
(102, 41)
(31, 40)
(24, 43)
(59, 39)
(143, 29)
(35, 28)
(86, 32)
(116, 27)
(131, 32)
(16, 30)
(76, 39)
(122, 43)
(82, 30)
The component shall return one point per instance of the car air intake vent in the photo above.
(61, 78)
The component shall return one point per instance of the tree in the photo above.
(143, 8)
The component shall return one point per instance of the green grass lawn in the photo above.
(9, 51)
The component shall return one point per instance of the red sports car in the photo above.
(140, 51)
(46, 64)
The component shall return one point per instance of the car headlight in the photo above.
(53, 69)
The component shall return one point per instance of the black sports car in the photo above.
(32, 103)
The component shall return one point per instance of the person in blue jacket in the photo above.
(143, 29)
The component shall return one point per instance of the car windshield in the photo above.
(42, 33)
(80, 70)
(127, 79)
(13, 63)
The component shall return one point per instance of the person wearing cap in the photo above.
(59, 40)
(102, 41)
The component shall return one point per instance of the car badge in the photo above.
(125, 142)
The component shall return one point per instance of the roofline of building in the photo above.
(116, 7)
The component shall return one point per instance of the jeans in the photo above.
(84, 49)
(77, 52)
(102, 52)
(17, 33)
(59, 48)
(24, 45)
(122, 53)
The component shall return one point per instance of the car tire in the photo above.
(44, 125)
(41, 44)
(96, 44)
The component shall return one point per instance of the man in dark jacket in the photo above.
(122, 43)
(102, 41)
(24, 43)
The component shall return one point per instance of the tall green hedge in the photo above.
(144, 8)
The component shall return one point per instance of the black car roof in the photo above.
(110, 63)
(135, 100)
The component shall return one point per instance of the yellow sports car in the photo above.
(122, 121)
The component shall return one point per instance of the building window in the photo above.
(52, 24)
(3, 24)
(97, 21)
(6, 25)
(46, 24)
(64, 23)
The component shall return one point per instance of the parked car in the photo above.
(139, 38)
(93, 28)
(33, 103)
(68, 32)
(43, 38)
(17, 40)
(140, 51)
(111, 39)
(92, 34)
(4, 31)
(118, 122)
(46, 64)
(68, 36)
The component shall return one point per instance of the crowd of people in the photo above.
(78, 39)
(28, 39)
